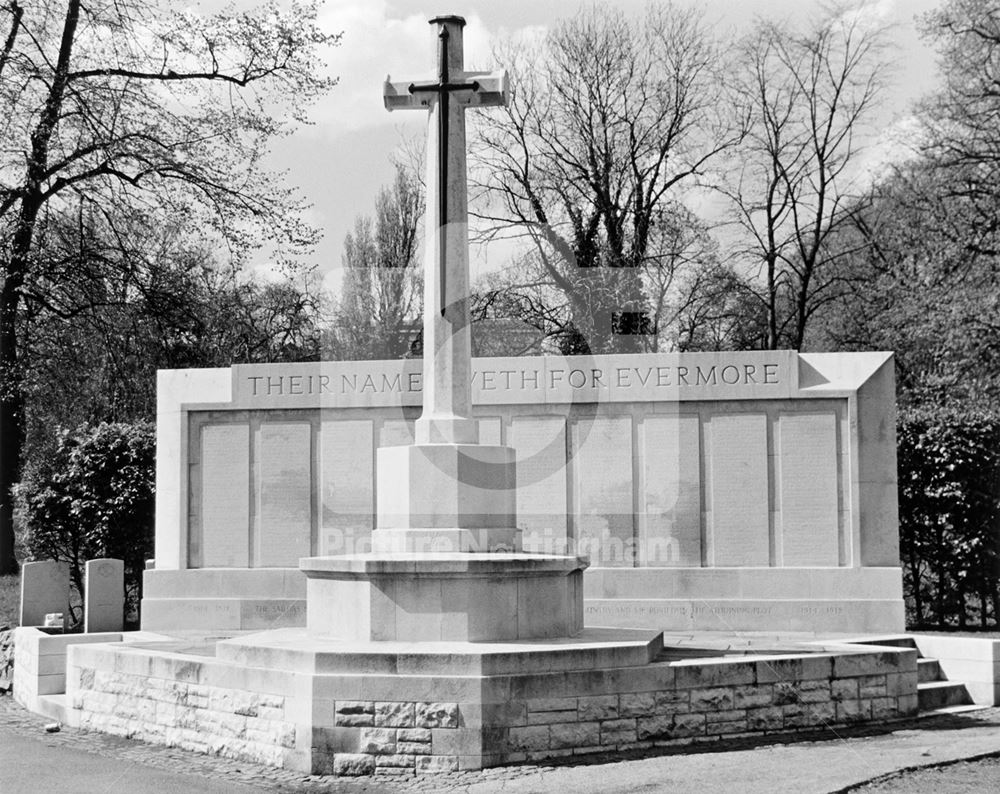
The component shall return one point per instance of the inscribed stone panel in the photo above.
(284, 494)
(225, 496)
(807, 473)
(739, 487)
(671, 508)
(602, 449)
(346, 477)
(540, 446)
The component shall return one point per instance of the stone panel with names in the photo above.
(284, 494)
(670, 520)
(225, 496)
(602, 463)
(540, 444)
(739, 486)
(807, 473)
(346, 472)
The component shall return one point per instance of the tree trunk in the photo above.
(772, 305)
(11, 436)
(11, 408)
(11, 377)
(11, 394)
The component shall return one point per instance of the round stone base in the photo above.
(463, 597)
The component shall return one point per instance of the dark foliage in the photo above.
(949, 516)
(92, 498)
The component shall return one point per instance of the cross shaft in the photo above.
(447, 393)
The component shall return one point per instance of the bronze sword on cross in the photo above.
(469, 89)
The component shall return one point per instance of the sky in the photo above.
(342, 159)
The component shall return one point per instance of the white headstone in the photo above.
(104, 598)
(44, 589)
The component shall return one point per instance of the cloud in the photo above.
(897, 143)
(378, 41)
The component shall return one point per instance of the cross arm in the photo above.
(471, 89)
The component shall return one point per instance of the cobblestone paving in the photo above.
(14, 718)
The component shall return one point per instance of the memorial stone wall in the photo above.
(725, 465)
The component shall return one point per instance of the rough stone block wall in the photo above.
(192, 716)
(24, 678)
(6, 659)
(553, 727)
(388, 738)
(550, 727)
(215, 707)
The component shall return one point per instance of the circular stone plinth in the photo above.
(453, 596)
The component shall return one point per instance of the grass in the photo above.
(10, 600)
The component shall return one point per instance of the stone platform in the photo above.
(288, 699)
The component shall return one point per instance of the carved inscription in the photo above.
(526, 379)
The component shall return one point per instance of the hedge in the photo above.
(949, 516)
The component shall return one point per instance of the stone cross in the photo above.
(447, 393)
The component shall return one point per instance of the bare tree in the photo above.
(127, 104)
(609, 118)
(797, 180)
(961, 122)
(677, 275)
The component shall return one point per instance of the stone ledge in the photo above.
(457, 564)
(296, 650)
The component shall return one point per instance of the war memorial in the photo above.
(414, 566)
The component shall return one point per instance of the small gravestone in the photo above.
(44, 589)
(104, 599)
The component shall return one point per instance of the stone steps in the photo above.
(54, 706)
(934, 695)
(928, 670)
(934, 692)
